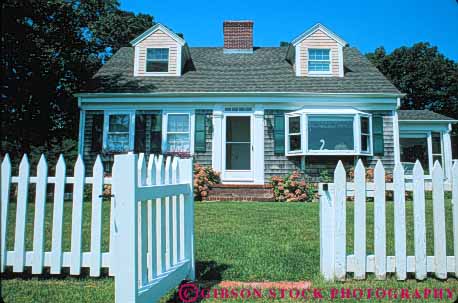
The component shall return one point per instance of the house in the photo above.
(254, 112)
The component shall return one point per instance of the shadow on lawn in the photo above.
(208, 275)
(65, 273)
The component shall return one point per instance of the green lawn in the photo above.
(233, 241)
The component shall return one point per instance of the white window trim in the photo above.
(371, 146)
(168, 62)
(106, 121)
(319, 73)
(165, 117)
(330, 112)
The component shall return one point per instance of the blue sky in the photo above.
(363, 24)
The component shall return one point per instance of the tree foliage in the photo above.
(427, 77)
(49, 49)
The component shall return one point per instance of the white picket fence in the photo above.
(163, 244)
(335, 263)
(154, 232)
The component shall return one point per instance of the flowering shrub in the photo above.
(204, 178)
(292, 187)
(369, 175)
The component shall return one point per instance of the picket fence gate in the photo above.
(334, 261)
(150, 242)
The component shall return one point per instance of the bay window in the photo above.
(328, 132)
(178, 132)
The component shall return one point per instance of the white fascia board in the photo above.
(313, 29)
(428, 121)
(155, 28)
(241, 94)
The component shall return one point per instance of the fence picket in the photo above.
(340, 225)
(440, 249)
(96, 218)
(39, 222)
(455, 213)
(175, 213)
(77, 217)
(360, 221)
(187, 176)
(181, 206)
(58, 216)
(5, 196)
(379, 221)
(400, 222)
(152, 250)
(21, 214)
(142, 225)
(160, 218)
(168, 216)
(419, 221)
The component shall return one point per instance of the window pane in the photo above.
(178, 123)
(318, 54)
(294, 142)
(157, 66)
(330, 133)
(364, 125)
(178, 143)
(238, 129)
(436, 142)
(118, 142)
(413, 149)
(238, 156)
(315, 66)
(118, 123)
(157, 54)
(294, 125)
(365, 143)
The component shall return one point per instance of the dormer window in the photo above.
(157, 60)
(319, 61)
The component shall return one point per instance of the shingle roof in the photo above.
(421, 115)
(266, 70)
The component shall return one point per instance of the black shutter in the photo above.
(97, 133)
(140, 133)
(199, 133)
(377, 134)
(279, 134)
(156, 133)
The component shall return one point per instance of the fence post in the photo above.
(186, 176)
(126, 227)
(326, 231)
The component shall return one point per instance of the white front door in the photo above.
(237, 155)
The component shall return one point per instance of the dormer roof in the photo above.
(315, 28)
(154, 28)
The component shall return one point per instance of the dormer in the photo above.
(317, 52)
(159, 52)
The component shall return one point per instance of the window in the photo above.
(436, 144)
(117, 132)
(157, 60)
(330, 133)
(294, 133)
(365, 135)
(178, 133)
(414, 147)
(319, 61)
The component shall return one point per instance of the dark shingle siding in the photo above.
(266, 70)
(421, 115)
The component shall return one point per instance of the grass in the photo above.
(233, 241)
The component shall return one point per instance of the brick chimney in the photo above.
(238, 36)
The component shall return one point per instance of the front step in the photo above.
(241, 192)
